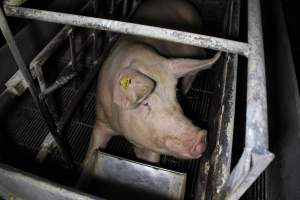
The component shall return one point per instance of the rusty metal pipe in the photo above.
(133, 29)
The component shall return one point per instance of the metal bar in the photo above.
(48, 143)
(29, 79)
(95, 10)
(257, 119)
(17, 184)
(221, 159)
(14, 2)
(79, 94)
(37, 63)
(256, 156)
(64, 79)
(45, 54)
(49, 49)
(72, 50)
(133, 29)
(124, 8)
(61, 81)
(111, 8)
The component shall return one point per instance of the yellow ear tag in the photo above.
(124, 82)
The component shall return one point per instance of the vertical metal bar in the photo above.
(72, 50)
(124, 9)
(40, 77)
(29, 79)
(111, 8)
(256, 156)
(95, 36)
(49, 100)
(256, 114)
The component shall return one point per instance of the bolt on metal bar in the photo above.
(33, 90)
(133, 29)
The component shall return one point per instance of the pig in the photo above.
(136, 92)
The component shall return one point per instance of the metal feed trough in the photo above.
(224, 183)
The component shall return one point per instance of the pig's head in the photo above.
(149, 111)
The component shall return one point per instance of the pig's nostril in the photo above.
(199, 147)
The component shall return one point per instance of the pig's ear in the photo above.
(131, 88)
(181, 66)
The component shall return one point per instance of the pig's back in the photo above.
(173, 14)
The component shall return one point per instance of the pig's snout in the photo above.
(191, 147)
(199, 146)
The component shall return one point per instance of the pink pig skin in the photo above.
(136, 93)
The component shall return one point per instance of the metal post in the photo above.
(72, 50)
(28, 77)
(133, 29)
(94, 33)
(124, 9)
(257, 119)
(256, 156)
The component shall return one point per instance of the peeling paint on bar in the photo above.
(193, 39)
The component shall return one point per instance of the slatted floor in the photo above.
(27, 129)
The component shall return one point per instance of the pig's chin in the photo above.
(186, 156)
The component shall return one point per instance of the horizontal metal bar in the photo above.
(14, 2)
(133, 29)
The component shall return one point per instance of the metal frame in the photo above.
(256, 156)
(16, 184)
(33, 90)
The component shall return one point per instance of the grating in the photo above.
(31, 129)
(258, 191)
(26, 128)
